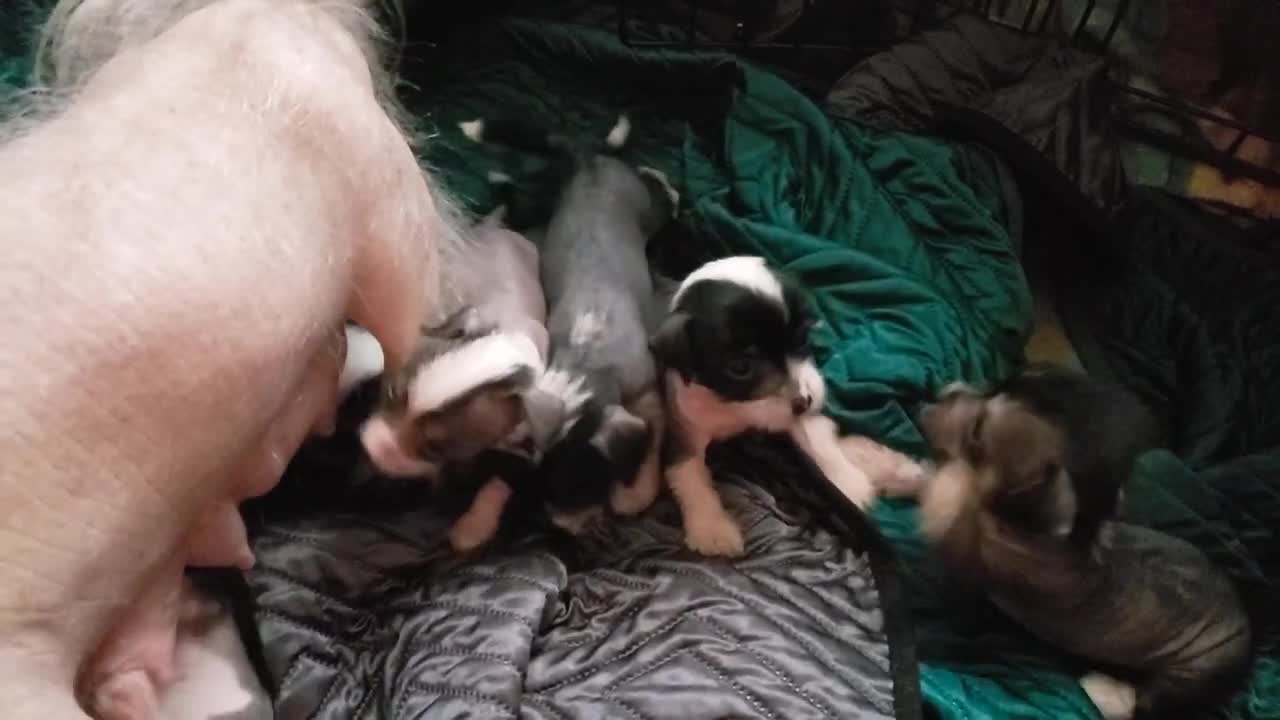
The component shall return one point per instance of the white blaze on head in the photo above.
(457, 372)
(748, 271)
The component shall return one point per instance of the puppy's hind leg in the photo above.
(635, 498)
(479, 523)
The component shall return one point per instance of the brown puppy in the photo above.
(1029, 476)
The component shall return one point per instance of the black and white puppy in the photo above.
(599, 315)
(735, 356)
(1028, 480)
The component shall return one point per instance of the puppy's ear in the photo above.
(670, 344)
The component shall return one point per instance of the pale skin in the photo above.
(180, 248)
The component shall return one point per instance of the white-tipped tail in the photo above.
(621, 131)
(473, 129)
(498, 178)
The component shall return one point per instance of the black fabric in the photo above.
(1050, 100)
(371, 615)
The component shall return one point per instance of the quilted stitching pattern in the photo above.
(374, 618)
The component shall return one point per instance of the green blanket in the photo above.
(902, 242)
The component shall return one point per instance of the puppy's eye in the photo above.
(739, 368)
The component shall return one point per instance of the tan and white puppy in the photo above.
(735, 357)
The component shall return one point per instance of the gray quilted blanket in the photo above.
(370, 615)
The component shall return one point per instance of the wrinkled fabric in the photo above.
(1046, 100)
(373, 616)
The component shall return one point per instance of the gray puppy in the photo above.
(608, 415)
(1029, 475)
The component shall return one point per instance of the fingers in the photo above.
(396, 279)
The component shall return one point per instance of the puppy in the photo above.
(1029, 476)
(735, 357)
(465, 390)
(599, 291)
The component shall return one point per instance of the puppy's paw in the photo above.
(1115, 699)
(715, 535)
(472, 530)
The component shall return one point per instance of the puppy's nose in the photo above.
(800, 404)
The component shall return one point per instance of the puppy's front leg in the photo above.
(479, 523)
(635, 498)
(709, 529)
(817, 437)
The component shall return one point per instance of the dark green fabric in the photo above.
(909, 267)
(902, 241)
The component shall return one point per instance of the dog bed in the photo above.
(910, 247)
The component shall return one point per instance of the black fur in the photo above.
(733, 340)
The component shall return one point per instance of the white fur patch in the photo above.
(617, 137)
(473, 129)
(748, 271)
(672, 194)
(467, 367)
(809, 381)
(1115, 699)
(567, 385)
(497, 177)
(587, 328)
(364, 359)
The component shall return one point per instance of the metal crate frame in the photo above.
(1035, 20)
